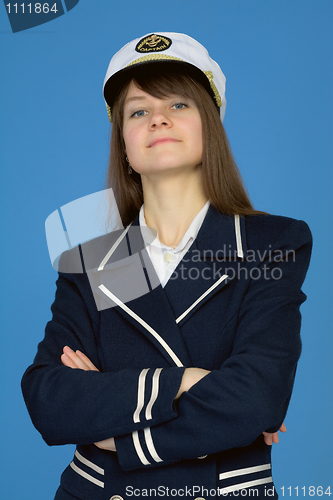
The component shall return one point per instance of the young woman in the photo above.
(176, 382)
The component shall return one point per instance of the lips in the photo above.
(161, 140)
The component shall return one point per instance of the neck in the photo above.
(171, 203)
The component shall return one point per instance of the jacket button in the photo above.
(200, 498)
(116, 497)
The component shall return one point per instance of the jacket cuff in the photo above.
(156, 393)
(137, 450)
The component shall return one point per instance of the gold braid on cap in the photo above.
(108, 109)
(161, 57)
(217, 96)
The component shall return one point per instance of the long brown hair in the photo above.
(222, 181)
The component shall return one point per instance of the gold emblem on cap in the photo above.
(153, 43)
(153, 40)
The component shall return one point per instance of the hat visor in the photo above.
(116, 82)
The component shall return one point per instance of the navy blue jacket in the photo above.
(232, 307)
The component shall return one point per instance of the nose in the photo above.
(160, 118)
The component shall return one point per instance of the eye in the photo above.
(139, 113)
(179, 105)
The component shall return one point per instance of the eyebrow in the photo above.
(134, 98)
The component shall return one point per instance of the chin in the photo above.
(166, 167)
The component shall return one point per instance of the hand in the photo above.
(193, 375)
(273, 437)
(106, 444)
(190, 377)
(78, 360)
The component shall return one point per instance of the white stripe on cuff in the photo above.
(154, 393)
(141, 395)
(150, 445)
(138, 449)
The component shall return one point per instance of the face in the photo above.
(161, 135)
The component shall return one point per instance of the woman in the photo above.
(178, 389)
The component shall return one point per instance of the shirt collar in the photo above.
(190, 234)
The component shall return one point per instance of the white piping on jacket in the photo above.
(112, 249)
(182, 316)
(87, 462)
(242, 486)
(86, 476)
(247, 470)
(143, 323)
(238, 238)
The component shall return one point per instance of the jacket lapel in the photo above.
(153, 316)
(221, 242)
(126, 280)
(159, 313)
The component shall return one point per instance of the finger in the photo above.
(275, 437)
(106, 444)
(268, 438)
(78, 362)
(283, 428)
(67, 361)
(87, 361)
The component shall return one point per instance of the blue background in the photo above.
(277, 57)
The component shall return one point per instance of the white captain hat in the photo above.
(171, 48)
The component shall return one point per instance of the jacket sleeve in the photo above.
(249, 394)
(83, 407)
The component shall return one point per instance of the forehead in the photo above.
(136, 93)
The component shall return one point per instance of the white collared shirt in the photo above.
(165, 259)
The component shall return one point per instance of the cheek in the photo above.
(131, 139)
(197, 139)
